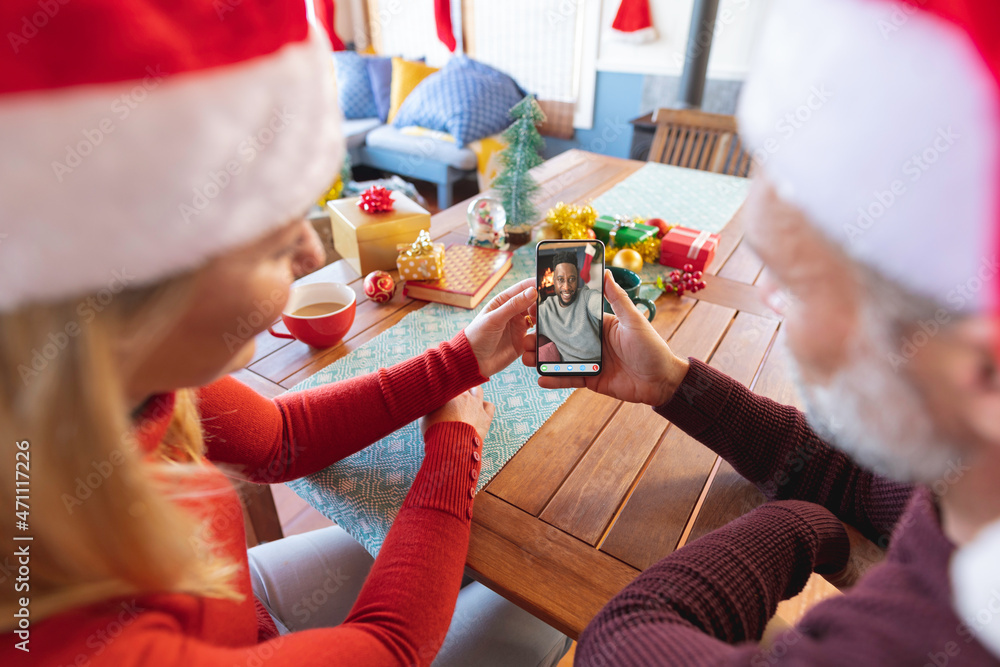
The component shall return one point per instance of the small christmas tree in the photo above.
(514, 185)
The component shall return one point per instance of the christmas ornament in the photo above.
(649, 249)
(376, 199)
(572, 222)
(379, 286)
(627, 258)
(514, 184)
(486, 217)
(634, 23)
(660, 225)
(545, 232)
(687, 280)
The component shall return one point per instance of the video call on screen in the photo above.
(570, 306)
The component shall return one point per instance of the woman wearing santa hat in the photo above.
(157, 162)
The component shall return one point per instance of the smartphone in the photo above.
(570, 322)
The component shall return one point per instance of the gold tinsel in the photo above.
(333, 193)
(572, 222)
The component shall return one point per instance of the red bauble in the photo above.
(376, 199)
(590, 233)
(379, 286)
(662, 226)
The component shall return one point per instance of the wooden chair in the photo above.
(699, 140)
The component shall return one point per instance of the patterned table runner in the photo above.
(363, 493)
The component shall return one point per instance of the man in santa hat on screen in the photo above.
(875, 127)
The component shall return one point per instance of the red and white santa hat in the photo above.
(145, 137)
(881, 120)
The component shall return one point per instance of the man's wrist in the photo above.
(672, 378)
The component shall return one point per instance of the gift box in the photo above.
(421, 260)
(621, 231)
(682, 245)
(368, 241)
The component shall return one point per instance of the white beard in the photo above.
(872, 413)
(975, 581)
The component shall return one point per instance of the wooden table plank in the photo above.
(540, 568)
(734, 294)
(653, 521)
(529, 480)
(591, 495)
(730, 495)
(743, 265)
(261, 385)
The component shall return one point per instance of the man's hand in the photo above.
(468, 407)
(497, 333)
(639, 366)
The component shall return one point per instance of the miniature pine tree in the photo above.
(514, 185)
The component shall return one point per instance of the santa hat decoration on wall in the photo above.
(634, 22)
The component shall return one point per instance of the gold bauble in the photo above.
(545, 232)
(626, 258)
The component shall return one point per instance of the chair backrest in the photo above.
(699, 140)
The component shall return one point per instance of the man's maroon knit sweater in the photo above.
(708, 603)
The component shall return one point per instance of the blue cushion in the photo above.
(466, 99)
(354, 86)
(380, 73)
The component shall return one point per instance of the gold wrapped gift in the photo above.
(421, 260)
(368, 240)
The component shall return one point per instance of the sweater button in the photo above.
(473, 475)
(476, 456)
(469, 513)
(472, 492)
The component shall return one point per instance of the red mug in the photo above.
(326, 329)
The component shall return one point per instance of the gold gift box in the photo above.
(427, 265)
(368, 240)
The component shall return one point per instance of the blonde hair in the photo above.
(104, 516)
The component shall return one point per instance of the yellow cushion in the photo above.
(405, 77)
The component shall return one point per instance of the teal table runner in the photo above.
(363, 493)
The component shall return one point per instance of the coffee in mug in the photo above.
(318, 309)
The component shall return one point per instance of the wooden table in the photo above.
(604, 489)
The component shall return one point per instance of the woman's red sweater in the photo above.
(404, 610)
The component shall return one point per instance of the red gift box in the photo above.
(682, 245)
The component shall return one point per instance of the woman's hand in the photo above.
(639, 366)
(497, 333)
(468, 407)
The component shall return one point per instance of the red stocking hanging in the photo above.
(442, 18)
(634, 22)
(325, 16)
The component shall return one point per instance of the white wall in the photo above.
(737, 27)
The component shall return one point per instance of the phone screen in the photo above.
(570, 332)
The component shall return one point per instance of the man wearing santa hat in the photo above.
(876, 210)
